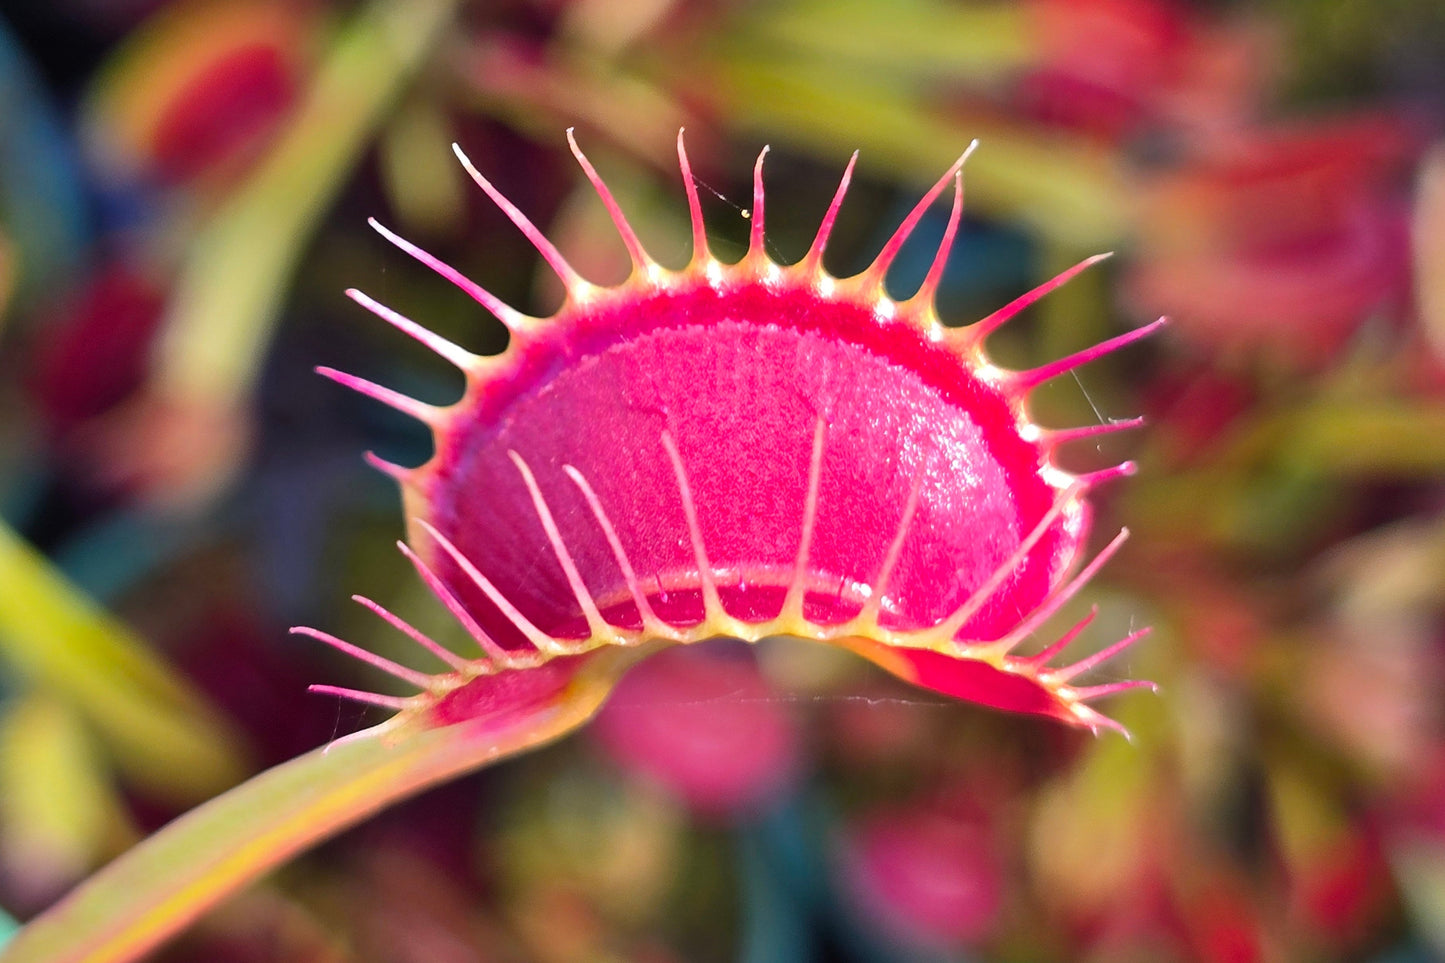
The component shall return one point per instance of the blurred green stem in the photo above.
(236, 274)
(161, 732)
(151, 892)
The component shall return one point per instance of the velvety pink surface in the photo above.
(739, 379)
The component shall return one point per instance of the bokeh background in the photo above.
(183, 193)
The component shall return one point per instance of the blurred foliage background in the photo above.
(183, 193)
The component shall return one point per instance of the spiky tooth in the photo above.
(419, 679)
(972, 335)
(700, 252)
(453, 660)
(757, 244)
(712, 602)
(1062, 436)
(651, 624)
(1094, 479)
(514, 320)
(868, 617)
(399, 473)
(1068, 672)
(595, 622)
(457, 355)
(1088, 693)
(1032, 378)
(1094, 720)
(793, 602)
(945, 631)
(641, 261)
(454, 605)
(356, 695)
(427, 414)
(929, 288)
(812, 263)
(1045, 655)
(544, 642)
(875, 272)
(1056, 600)
(576, 286)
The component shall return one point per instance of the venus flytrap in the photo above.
(743, 450)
